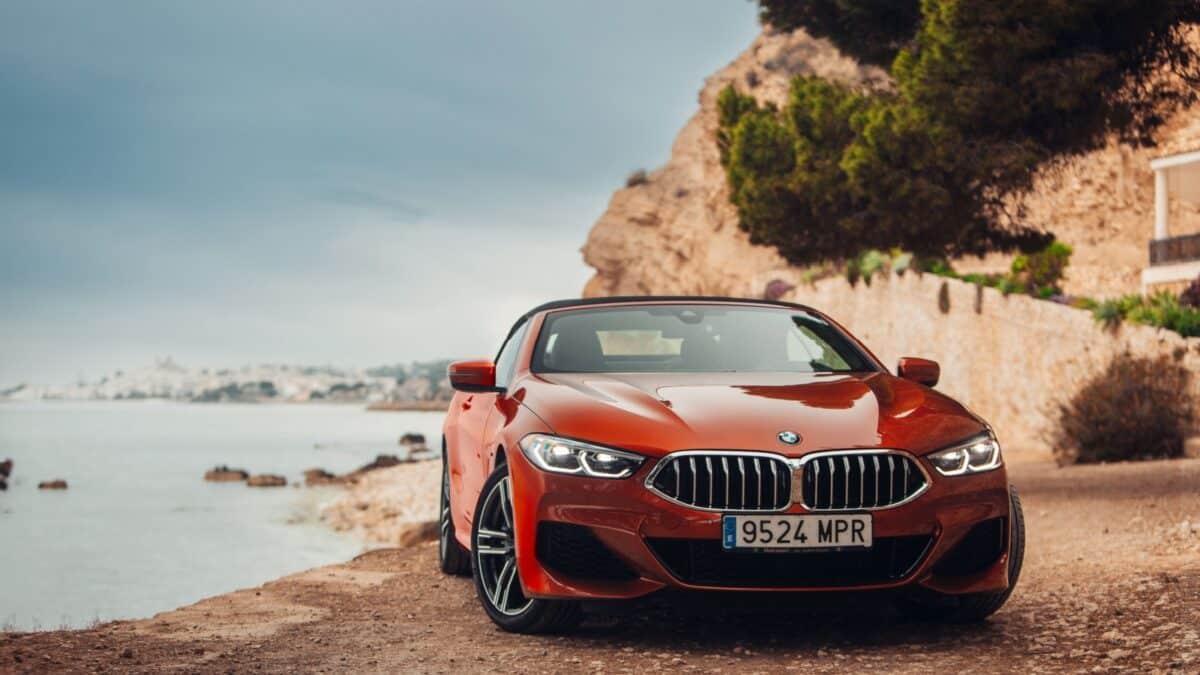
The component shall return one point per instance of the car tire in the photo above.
(452, 557)
(975, 607)
(493, 566)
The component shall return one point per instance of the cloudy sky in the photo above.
(348, 183)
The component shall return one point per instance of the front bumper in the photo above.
(647, 535)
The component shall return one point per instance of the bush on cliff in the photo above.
(1161, 310)
(1038, 274)
(1043, 269)
(983, 94)
(1138, 408)
(1190, 297)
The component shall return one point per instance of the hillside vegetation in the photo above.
(981, 96)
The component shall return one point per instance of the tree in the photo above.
(872, 31)
(983, 94)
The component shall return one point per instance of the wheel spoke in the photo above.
(505, 503)
(494, 534)
(491, 550)
(501, 581)
(507, 587)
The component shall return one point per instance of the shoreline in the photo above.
(394, 506)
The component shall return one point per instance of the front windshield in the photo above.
(693, 339)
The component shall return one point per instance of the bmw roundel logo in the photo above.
(789, 437)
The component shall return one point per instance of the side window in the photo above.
(506, 360)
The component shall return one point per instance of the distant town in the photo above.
(418, 385)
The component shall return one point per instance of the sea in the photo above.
(138, 531)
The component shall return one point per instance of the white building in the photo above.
(1174, 258)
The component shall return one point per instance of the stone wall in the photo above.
(1011, 358)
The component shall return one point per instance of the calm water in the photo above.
(139, 531)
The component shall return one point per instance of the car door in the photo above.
(476, 412)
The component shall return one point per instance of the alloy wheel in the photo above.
(496, 555)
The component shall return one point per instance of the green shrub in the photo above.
(1161, 310)
(1044, 269)
(1138, 408)
(1190, 297)
(1037, 274)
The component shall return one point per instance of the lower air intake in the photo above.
(704, 563)
(575, 551)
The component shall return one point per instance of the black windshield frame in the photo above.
(846, 347)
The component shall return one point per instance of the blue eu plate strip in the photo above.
(729, 528)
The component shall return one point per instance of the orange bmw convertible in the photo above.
(620, 447)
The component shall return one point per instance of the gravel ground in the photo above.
(1111, 583)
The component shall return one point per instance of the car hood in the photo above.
(657, 413)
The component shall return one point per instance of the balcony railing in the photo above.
(1175, 249)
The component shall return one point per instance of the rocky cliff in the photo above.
(677, 232)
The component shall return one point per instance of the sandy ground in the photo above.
(1111, 583)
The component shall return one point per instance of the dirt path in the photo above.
(1111, 583)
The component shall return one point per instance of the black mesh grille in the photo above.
(977, 550)
(703, 562)
(574, 551)
(859, 480)
(734, 482)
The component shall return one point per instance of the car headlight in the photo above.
(975, 455)
(564, 455)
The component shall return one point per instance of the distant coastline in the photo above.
(414, 386)
(394, 406)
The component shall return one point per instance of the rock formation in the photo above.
(380, 462)
(320, 477)
(412, 438)
(56, 484)
(267, 480)
(676, 232)
(224, 474)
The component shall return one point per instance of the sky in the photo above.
(344, 183)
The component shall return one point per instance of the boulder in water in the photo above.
(320, 477)
(224, 474)
(267, 480)
(56, 484)
(380, 462)
(412, 438)
(6, 468)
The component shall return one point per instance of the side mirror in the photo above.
(473, 376)
(922, 371)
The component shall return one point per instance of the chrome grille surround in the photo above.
(885, 479)
(717, 480)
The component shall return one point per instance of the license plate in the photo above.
(756, 532)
